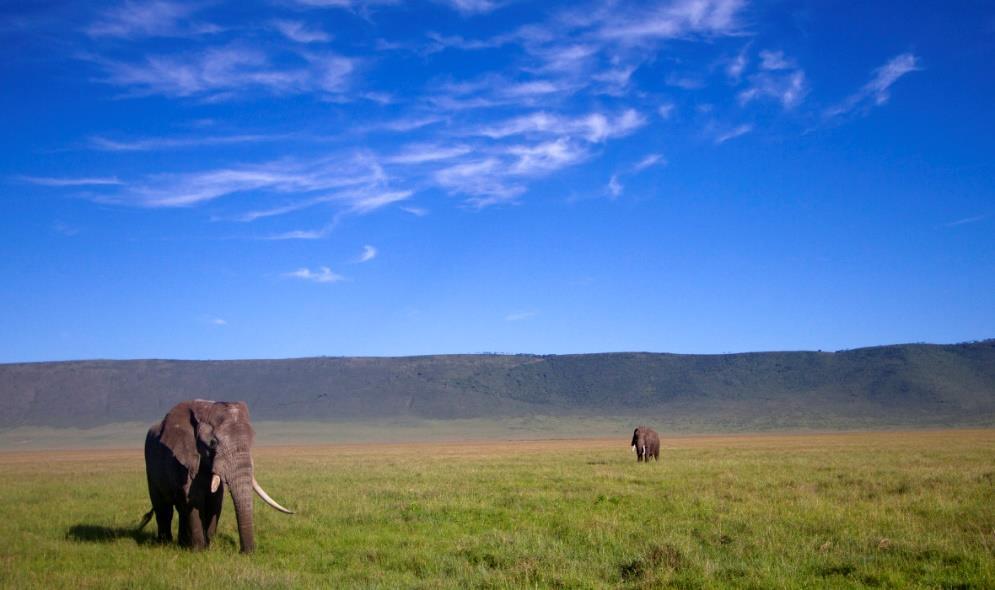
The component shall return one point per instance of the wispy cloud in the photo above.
(411, 123)
(966, 220)
(300, 32)
(787, 88)
(220, 73)
(737, 65)
(65, 229)
(372, 202)
(545, 157)
(775, 60)
(303, 234)
(594, 127)
(670, 20)
(425, 153)
(148, 19)
(416, 211)
(648, 161)
(485, 180)
(157, 143)
(469, 7)
(359, 5)
(685, 81)
(733, 133)
(519, 316)
(62, 182)
(615, 187)
(322, 275)
(369, 253)
(217, 321)
(281, 176)
(877, 91)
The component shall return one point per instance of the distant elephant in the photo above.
(197, 449)
(646, 443)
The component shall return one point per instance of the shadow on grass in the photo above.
(95, 533)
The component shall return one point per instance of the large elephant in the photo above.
(190, 456)
(646, 443)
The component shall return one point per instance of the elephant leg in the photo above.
(162, 505)
(198, 540)
(164, 521)
(215, 502)
(184, 539)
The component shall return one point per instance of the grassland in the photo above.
(897, 510)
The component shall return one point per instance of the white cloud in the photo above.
(775, 60)
(281, 176)
(520, 316)
(369, 203)
(545, 157)
(361, 201)
(493, 90)
(61, 182)
(218, 322)
(346, 4)
(877, 91)
(685, 81)
(148, 19)
(300, 32)
(672, 20)
(615, 188)
(416, 211)
(65, 229)
(594, 127)
(369, 253)
(322, 275)
(966, 220)
(220, 73)
(614, 81)
(571, 58)
(736, 66)
(733, 133)
(302, 234)
(424, 153)
(157, 143)
(789, 89)
(533, 88)
(666, 110)
(648, 161)
(283, 209)
(469, 7)
(407, 124)
(484, 179)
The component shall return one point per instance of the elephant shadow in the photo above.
(96, 533)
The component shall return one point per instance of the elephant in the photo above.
(190, 456)
(646, 443)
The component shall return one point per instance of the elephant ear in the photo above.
(179, 432)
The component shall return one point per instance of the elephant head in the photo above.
(213, 441)
(639, 440)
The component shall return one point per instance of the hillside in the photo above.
(904, 385)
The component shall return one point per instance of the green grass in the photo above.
(891, 510)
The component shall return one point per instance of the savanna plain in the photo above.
(846, 510)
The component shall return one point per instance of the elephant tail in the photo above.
(146, 519)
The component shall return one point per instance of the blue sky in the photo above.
(350, 177)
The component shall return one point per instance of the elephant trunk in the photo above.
(240, 481)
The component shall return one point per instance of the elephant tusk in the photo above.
(262, 494)
(215, 482)
(633, 447)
